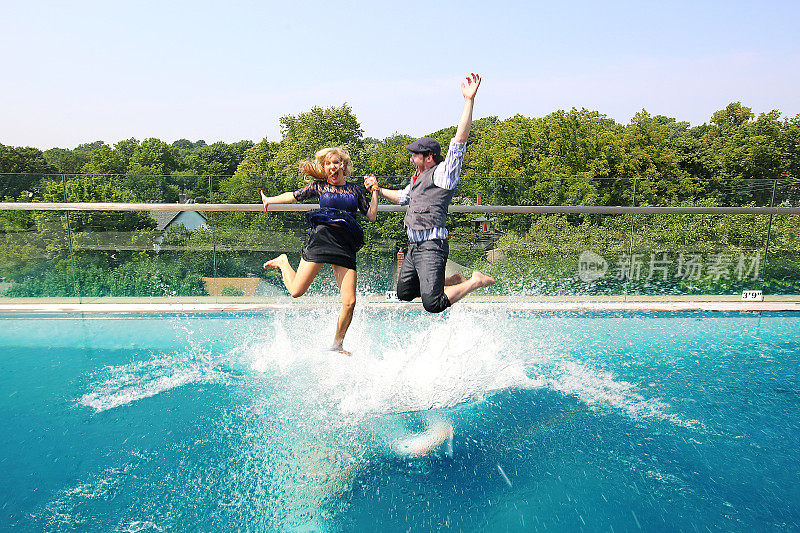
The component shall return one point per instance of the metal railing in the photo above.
(482, 209)
(759, 253)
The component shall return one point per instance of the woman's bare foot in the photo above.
(455, 279)
(264, 200)
(337, 347)
(481, 280)
(429, 441)
(278, 262)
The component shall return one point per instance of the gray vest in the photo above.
(427, 208)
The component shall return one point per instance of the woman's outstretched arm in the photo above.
(372, 212)
(285, 198)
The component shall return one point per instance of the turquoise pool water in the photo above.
(560, 422)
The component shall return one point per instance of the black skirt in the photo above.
(334, 245)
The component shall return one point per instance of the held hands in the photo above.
(471, 87)
(371, 183)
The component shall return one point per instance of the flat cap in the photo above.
(425, 145)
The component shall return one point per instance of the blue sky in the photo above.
(80, 71)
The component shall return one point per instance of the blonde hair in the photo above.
(316, 167)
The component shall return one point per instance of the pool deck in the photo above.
(722, 303)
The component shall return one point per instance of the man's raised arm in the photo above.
(468, 90)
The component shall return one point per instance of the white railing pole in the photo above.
(496, 209)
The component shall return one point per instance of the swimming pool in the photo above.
(560, 421)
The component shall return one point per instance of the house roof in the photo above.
(164, 218)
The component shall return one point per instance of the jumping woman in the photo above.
(335, 235)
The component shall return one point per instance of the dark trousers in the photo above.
(422, 274)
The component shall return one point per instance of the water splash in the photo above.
(310, 421)
(125, 384)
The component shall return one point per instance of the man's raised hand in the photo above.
(471, 87)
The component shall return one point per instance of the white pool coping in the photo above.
(722, 303)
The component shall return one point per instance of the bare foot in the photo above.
(455, 279)
(278, 262)
(429, 441)
(338, 348)
(481, 280)
(264, 201)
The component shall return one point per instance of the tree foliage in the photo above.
(305, 133)
(92, 189)
(21, 169)
(577, 157)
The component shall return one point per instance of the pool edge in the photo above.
(509, 304)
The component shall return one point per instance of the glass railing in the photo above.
(556, 242)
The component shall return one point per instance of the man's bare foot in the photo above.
(278, 262)
(481, 280)
(455, 279)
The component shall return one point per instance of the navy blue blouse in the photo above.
(348, 197)
(338, 204)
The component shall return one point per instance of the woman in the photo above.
(335, 235)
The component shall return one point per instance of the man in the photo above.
(428, 197)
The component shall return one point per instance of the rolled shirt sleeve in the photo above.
(446, 175)
(402, 195)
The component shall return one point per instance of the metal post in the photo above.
(630, 246)
(75, 286)
(213, 238)
(769, 234)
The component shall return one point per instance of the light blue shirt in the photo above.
(445, 176)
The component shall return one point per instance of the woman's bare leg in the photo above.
(346, 280)
(297, 283)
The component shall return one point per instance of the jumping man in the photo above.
(428, 196)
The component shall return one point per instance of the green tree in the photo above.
(387, 159)
(304, 134)
(255, 172)
(89, 147)
(258, 160)
(106, 160)
(747, 154)
(218, 159)
(552, 160)
(21, 169)
(790, 154)
(90, 188)
(185, 146)
(735, 114)
(651, 159)
(152, 156)
(66, 161)
(149, 166)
